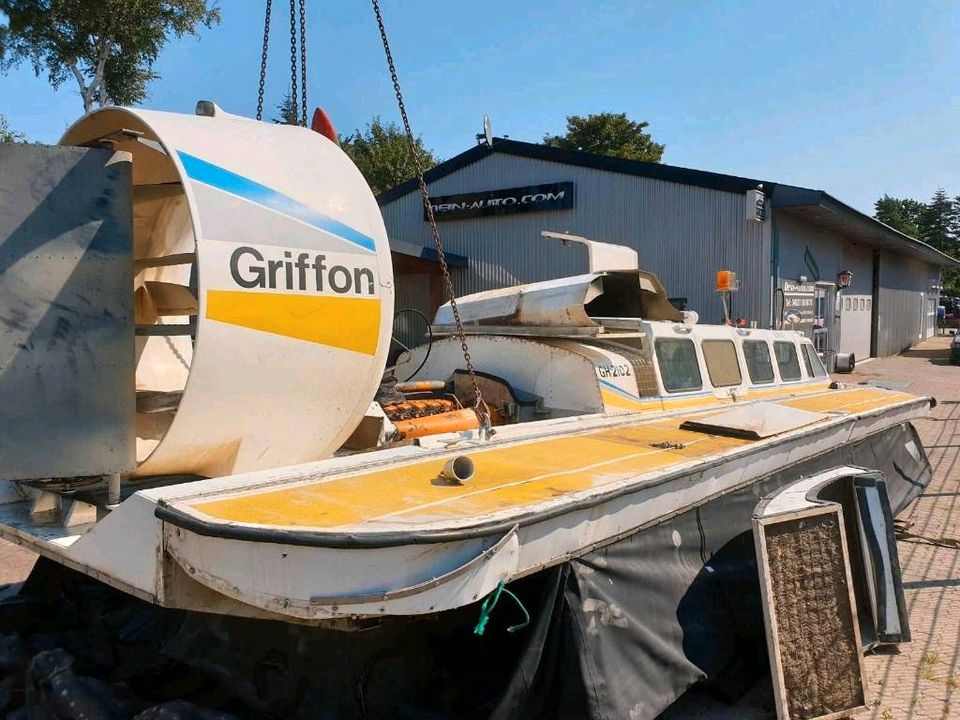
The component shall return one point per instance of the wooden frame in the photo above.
(770, 618)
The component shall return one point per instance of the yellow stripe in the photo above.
(612, 400)
(342, 322)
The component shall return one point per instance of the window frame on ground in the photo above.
(759, 379)
(781, 363)
(666, 371)
(719, 367)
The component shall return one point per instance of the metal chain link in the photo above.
(293, 62)
(480, 406)
(263, 59)
(303, 61)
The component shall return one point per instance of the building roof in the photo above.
(816, 206)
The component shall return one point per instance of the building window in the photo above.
(722, 364)
(787, 360)
(678, 365)
(759, 364)
(846, 303)
(815, 368)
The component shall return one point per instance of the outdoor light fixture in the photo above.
(844, 278)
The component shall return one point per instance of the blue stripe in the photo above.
(218, 177)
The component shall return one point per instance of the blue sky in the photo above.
(858, 98)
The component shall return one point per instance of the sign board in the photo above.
(800, 298)
(530, 198)
(756, 205)
(795, 286)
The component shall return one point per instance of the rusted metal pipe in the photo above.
(421, 386)
(454, 421)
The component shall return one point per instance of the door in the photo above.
(930, 321)
(855, 316)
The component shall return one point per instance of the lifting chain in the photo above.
(480, 406)
(303, 62)
(298, 101)
(294, 97)
(263, 60)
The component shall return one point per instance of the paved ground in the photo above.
(15, 563)
(922, 682)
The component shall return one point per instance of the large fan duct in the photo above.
(263, 289)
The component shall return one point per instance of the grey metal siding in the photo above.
(797, 237)
(682, 233)
(832, 252)
(905, 287)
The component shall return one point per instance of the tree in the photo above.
(955, 224)
(9, 136)
(608, 134)
(937, 222)
(289, 113)
(900, 214)
(108, 46)
(382, 154)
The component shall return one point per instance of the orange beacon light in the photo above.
(727, 281)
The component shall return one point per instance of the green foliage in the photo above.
(382, 154)
(288, 111)
(108, 46)
(9, 136)
(608, 134)
(900, 214)
(937, 223)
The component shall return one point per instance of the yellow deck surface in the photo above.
(506, 476)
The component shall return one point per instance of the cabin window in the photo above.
(678, 365)
(815, 368)
(759, 364)
(787, 360)
(722, 364)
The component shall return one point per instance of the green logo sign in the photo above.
(811, 264)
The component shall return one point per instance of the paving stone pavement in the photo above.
(922, 681)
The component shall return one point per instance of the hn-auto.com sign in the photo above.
(532, 198)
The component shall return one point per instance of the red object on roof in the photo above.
(322, 124)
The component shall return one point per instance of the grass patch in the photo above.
(929, 658)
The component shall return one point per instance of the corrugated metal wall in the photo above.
(830, 252)
(904, 291)
(904, 282)
(682, 233)
(408, 328)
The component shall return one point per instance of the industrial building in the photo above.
(792, 248)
